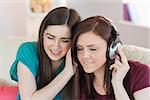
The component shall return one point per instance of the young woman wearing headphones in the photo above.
(103, 71)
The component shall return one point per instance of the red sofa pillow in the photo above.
(8, 92)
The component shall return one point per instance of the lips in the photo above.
(88, 61)
(55, 52)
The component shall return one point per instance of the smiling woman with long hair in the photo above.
(42, 68)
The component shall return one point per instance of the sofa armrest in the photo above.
(137, 53)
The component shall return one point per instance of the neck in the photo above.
(99, 74)
(99, 87)
(56, 64)
(98, 81)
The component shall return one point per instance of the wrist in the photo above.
(67, 72)
(117, 84)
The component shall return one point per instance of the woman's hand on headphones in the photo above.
(69, 66)
(119, 68)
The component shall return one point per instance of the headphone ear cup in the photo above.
(112, 48)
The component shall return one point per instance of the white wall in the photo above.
(13, 31)
(134, 34)
(13, 15)
(106, 8)
(109, 8)
(16, 19)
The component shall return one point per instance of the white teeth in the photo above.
(55, 52)
(88, 61)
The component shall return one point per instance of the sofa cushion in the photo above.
(8, 92)
(137, 53)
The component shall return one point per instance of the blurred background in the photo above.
(20, 21)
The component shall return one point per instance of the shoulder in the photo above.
(139, 70)
(139, 75)
(28, 52)
(138, 67)
(27, 55)
(28, 45)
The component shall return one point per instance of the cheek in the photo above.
(44, 44)
(80, 59)
(100, 58)
(79, 56)
(66, 47)
(47, 42)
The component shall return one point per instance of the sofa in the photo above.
(137, 53)
(8, 49)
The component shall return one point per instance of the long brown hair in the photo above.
(58, 16)
(103, 28)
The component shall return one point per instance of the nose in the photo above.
(86, 54)
(57, 45)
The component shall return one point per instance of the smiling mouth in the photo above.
(55, 52)
(86, 62)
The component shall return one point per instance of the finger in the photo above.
(68, 56)
(69, 52)
(122, 56)
(114, 67)
(118, 63)
(117, 57)
(74, 63)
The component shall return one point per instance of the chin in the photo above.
(55, 58)
(88, 71)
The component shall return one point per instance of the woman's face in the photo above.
(91, 51)
(56, 41)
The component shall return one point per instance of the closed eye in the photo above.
(49, 37)
(93, 49)
(66, 40)
(79, 49)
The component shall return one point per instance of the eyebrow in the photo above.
(50, 34)
(86, 46)
(61, 38)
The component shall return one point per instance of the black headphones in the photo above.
(113, 44)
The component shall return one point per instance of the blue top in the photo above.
(27, 54)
